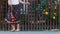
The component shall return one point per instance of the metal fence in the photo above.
(40, 15)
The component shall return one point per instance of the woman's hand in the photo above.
(27, 3)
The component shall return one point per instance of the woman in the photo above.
(13, 15)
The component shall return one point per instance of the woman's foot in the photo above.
(17, 30)
(13, 27)
(13, 30)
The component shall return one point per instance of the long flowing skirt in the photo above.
(15, 12)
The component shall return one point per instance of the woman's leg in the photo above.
(16, 14)
(18, 27)
(13, 27)
(12, 24)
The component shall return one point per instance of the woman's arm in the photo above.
(22, 2)
(9, 2)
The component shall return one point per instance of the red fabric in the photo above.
(13, 19)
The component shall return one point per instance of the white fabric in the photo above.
(15, 2)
